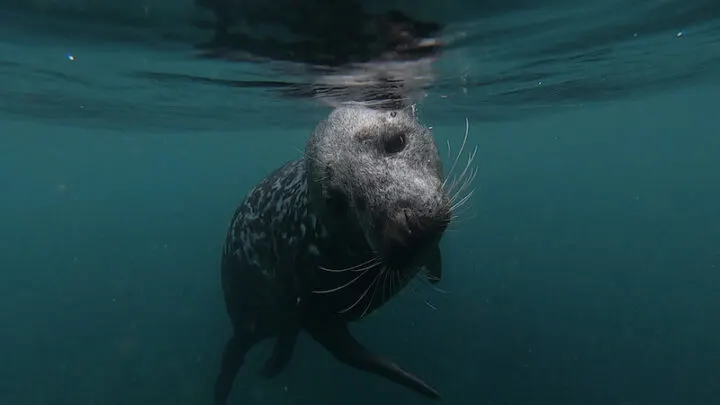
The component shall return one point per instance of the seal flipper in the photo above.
(336, 338)
(233, 358)
(282, 352)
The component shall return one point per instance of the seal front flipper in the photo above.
(282, 352)
(233, 358)
(336, 338)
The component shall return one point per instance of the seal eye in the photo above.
(395, 143)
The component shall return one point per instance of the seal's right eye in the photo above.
(395, 143)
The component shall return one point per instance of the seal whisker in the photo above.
(344, 285)
(425, 301)
(462, 147)
(430, 277)
(397, 279)
(406, 279)
(433, 307)
(374, 287)
(460, 183)
(470, 177)
(468, 181)
(459, 217)
(426, 277)
(366, 265)
(459, 203)
(456, 225)
(385, 292)
(360, 298)
(462, 201)
(465, 177)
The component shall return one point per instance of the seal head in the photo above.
(378, 174)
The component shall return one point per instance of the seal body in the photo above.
(329, 238)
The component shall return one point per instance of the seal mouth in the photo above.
(406, 235)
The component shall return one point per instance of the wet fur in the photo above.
(304, 250)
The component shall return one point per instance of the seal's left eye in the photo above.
(395, 142)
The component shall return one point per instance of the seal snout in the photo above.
(407, 231)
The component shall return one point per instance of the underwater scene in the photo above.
(348, 202)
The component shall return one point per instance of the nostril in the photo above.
(407, 214)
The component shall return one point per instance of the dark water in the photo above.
(585, 272)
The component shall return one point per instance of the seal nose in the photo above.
(409, 229)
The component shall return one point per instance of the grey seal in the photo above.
(329, 238)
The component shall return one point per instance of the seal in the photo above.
(329, 238)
